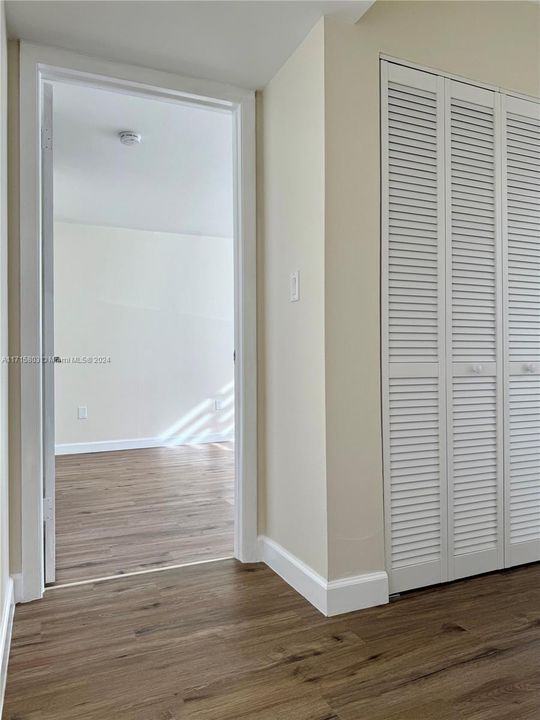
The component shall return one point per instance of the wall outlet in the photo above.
(82, 412)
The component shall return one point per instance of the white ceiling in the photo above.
(243, 43)
(179, 179)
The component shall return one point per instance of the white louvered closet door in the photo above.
(413, 327)
(474, 330)
(521, 247)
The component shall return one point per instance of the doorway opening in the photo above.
(41, 68)
(140, 319)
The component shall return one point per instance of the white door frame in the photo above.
(38, 64)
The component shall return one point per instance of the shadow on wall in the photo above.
(210, 421)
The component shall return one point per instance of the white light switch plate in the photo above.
(294, 286)
(82, 412)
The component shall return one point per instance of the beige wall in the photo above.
(291, 223)
(4, 495)
(161, 306)
(492, 42)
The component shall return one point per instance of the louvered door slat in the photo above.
(413, 339)
(521, 249)
(474, 387)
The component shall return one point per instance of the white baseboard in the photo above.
(6, 625)
(357, 593)
(329, 597)
(136, 444)
(295, 572)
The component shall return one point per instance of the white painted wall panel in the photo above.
(161, 306)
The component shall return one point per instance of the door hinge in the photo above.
(46, 138)
(48, 508)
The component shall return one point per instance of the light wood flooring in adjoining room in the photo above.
(132, 510)
(224, 641)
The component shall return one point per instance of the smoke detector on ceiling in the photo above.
(129, 137)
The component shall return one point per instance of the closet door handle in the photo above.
(529, 367)
(477, 368)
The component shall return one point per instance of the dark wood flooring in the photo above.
(228, 642)
(130, 510)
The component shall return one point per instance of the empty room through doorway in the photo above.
(143, 248)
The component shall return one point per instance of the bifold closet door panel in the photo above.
(473, 330)
(521, 247)
(413, 322)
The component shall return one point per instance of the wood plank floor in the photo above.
(229, 642)
(124, 511)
